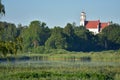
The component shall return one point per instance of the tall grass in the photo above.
(58, 72)
(64, 65)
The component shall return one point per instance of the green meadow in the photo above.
(62, 65)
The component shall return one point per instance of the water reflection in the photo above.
(46, 61)
(46, 58)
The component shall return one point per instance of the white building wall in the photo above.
(94, 30)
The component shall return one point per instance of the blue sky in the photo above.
(60, 12)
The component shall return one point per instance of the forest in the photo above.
(38, 37)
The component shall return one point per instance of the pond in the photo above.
(43, 61)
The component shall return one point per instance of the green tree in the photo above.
(35, 35)
(70, 36)
(57, 40)
(68, 30)
(111, 36)
(19, 29)
(8, 31)
(10, 46)
(85, 40)
(2, 25)
(2, 8)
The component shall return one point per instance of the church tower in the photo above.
(82, 18)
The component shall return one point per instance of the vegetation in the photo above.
(71, 38)
(37, 37)
(2, 8)
(10, 41)
(65, 66)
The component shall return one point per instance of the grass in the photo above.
(59, 73)
(63, 65)
(104, 56)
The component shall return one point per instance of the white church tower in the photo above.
(82, 18)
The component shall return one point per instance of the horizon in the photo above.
(59, 13)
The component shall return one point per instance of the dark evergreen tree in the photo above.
(111, 37)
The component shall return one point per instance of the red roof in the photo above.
(95, 24)
(103, 25)
(92, 24)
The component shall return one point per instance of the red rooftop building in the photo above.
(93, 26)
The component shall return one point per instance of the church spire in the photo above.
(82, 18)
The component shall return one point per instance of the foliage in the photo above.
(2, 8)
(71, 37)
(11, 47)
(84, 39)
(8, 31)
(66, 66)
(35, 35)
(110, 37)
(61, 76)
(10, 42)
(57, 40)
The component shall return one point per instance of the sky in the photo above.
(60, 12)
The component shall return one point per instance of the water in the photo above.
(42, 61)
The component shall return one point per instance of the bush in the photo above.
(39, 49)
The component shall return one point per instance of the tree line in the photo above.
(38, 36)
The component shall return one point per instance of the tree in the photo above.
(11, 47)
(19, 29)
(68, 30)
(2, 8)
(35, 35)
(111, 36)
(57, 40)
(85, 40)
(8, 31)
(70, 36)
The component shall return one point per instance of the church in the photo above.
(94, 26)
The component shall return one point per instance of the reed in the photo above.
(66, 66)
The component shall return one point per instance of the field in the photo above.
(62, 65)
